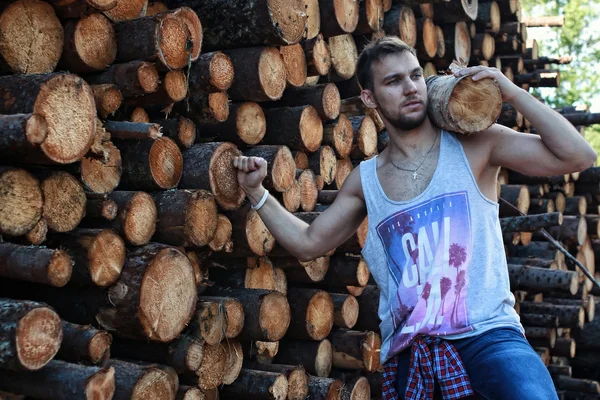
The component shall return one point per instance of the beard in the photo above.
(403, 122)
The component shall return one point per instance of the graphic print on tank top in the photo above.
(428, 248)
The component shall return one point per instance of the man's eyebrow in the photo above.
(417, 69)
(400, 74)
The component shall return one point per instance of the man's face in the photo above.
(399, 90)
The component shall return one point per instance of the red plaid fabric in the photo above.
(430, 359)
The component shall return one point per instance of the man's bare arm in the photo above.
(305, 242)
(557, 149)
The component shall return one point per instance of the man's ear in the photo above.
(368, 98)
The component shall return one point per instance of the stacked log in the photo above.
(131, 264)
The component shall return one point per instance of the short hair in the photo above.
(376, 51)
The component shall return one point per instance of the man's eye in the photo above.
(416, 76)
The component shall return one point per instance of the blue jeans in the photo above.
(501, 366)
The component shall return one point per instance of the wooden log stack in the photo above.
(131, 265)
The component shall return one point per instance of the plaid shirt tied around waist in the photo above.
(431, 358)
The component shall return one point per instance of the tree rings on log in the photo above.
(21, 201)
(313, 13)
(64, 201)
(400, 21)
(108, 99)
(312, 314)
(136, 219)
(299, 128)
(318, 58)
(127, 9)
(213, 72)
(84, 343)
(339, 135)
(428, 42)
(191, 20)
(338, 17)
(90, 44)
(324, 163)
(142, 382)
(455, 104)
(222, 240)
(30, 27)
(235, 360)
(281, 168)
(294, 60)
(134, 78)
(155, 296)
(365, 137)
(210, 166)
(31, 334)
(65, 101)
(343, 55)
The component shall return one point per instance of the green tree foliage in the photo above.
(579, 38)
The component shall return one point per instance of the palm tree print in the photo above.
(460, 284)
(458, 255)
(445, 286)
(426, 292)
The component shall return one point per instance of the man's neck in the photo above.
(411, 144)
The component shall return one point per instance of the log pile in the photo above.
(131, 264)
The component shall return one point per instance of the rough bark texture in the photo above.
(274, 22)
(257, 385)
(356, 350)
(530, 223)
(244, 123)
(346, 310)
(324, 98)
(281, 167)
(339, 135)
(134, 78)
(324, 388)
(318, 58)
(100, 176)
(312, 314)
(181, 129)
(250, 235)
(61, 380)
(568, 316)
(210, 167)
(542, 279)
(22, 135)
(140, 382)
(30, 335)
(400, 21)
(324, 164)
(213, 72)
(316, 357)
(84, 343)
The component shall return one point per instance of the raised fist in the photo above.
(251, 172)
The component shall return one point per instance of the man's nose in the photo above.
(410, 87)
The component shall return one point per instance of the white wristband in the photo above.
(262, 201)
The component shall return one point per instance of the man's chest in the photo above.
(402, 185)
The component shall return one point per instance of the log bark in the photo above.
(150, 164)
(183, 354)
(213, 72)
(576, 205)
(356, 350)
(134, 78)
(510, 116)
(259, 74)
(65, 101)
(428, 41)
(61, 380)
(64, 200)
(313, 26)
(514, 62)
(125, 130)
(37, 235)
(400, 21)
(541, 337)
(573, 230)
(346, 310)
(144, 39)
(518, 196)
(318, 57)
(564, 347)
(281, 167)
(370, 17)
(542, 279)
(217, 318)
(530, 223)
(250, 235)
(21, 199)
(136, 219)
(210, 167)
(276, 22)
(22, 135)
(324, 164)
(98, 255)
(365, 137)
(316, 357)
(30, 335)
(181, 129)
(541, 78)
(339, 135)
(267, 313)
(257, 385)
(323, 98)
(539, 320)
(455, 11)
(30, 27)
(324, 388)
(338, 17)
(296, 376)
(568, 316)
(483, 47)
(241, 124)
(84, 343)
(368, 302)
(299, 128)
(303, 272)
(457, 44)
(142, 304)
(579, 119)
(312, 314)
(488, 17)
(172, 89)
(185, 217)
(137, 382)
(547, 263)
(444, 112)
(356, 388)
(90, 44)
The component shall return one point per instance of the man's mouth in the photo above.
(412, 104)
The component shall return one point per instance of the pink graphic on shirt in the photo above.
(428, 248)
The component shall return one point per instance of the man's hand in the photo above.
(250, 175)
(509, 90)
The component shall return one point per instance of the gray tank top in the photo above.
(438, 258)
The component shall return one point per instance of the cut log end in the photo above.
(279, 389)
(99, 345)
(37, 235)
(314, 19)
(297, 384)
(38, 338)
(164, 316)
(59, 268)
(222, 238)
(191, 20)
(331, 101)
(21, 202)
(290, 19)
(101, 177)
(36, 129)
(292, 197)
(235, 360)
(235, 318)
(462, 106)
(311, 129)
(127, 9)
(140, 219)
(371, 348)
(321, 57)
(343, 135)
(316, 269)
(319, 315)
(362, 272)
(64, 202)
(272, 73)
(166, 163)
(260, 239)
(95, 42)
(102, 385)
(284, 167)
(274, 316)
(295, 64)
(324, 358)
(31, 27)
(201, 218)
(350, 310)
(108, 99)
(156, 7)
(212, 371)
(251, 123)
(223, 177)
(173, 36)
(106, 257)
(343, 55)
(155, 383)
(221, 71)
(327, 164)
(67, 103)
(147, 76)
(308, 190)
(176, 85)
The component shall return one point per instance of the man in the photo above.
(434, 243)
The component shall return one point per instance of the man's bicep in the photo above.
(522, 152)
